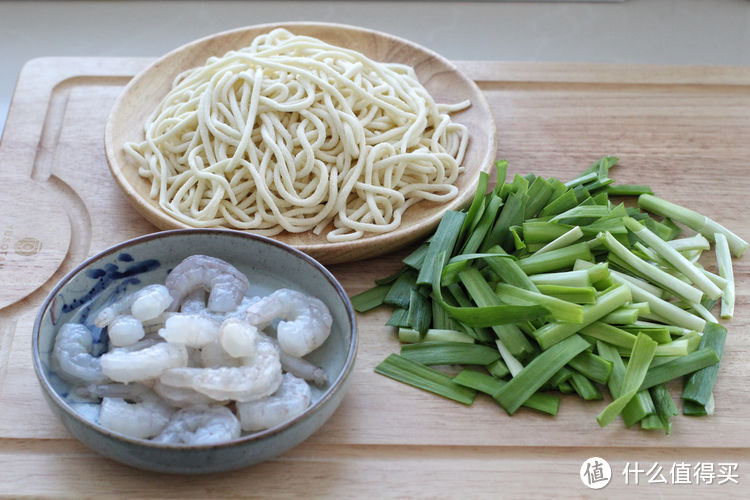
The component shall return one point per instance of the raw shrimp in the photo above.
(147, 341)
(125, 330)
(150, 302)
(194, 302)
(143, 419)
(200, 425)
(292, 398)
(259, 376)
(130, 366)
(182, 397)
(238, 338)
(306, 320)
(144, 304)
(213, 355)
(72, 353)
(300, 367)
(225, 283)
(112, 390)
(192, 330)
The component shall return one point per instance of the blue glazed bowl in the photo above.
(269, 265)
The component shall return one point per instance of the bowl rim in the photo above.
(334, 386)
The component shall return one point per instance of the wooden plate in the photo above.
(437, 74)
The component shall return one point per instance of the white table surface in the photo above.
(705, 32)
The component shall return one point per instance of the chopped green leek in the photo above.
(641, 284)
(560, 310)
(635, 372)
(442, 243)
(416, 258)
(556, 260)
(555, 331)
(488, 384)
(400, 292)
(592, 366)
(564, 202)
(621, 316)
(575, 294)
(498, 369)
(370, 299)
(724, 260)
(665, 407)
(700, 384)
(691, 409)
(562, 375)
(628, 190)
(565, 388)
(564, 240)
(641, 405)
(449, 353)
(481, 292)
(654, 274)
(538, 193)
(399, 318)
(584, 387)
(666, 310)
(695, 242)
(420, 311)
(537, 372)
(566, 278)
(680, 366)
(423, 377)
(475, 239)
(556, 287)
(410, 336)
(476, 204)
(507, 267)
(490, 312)
(511, 214)
(700, 223)
(674, 257)
(514, 366)
(610, 334)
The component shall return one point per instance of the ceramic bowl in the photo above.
(269, 265)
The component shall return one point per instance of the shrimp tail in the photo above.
(300, 367)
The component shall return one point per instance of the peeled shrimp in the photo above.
(147, 341)
(194, 302)
(213, 355)
(143, 419)
(306, 321)
(192, 330)
(200, 425)
(144, 304)
(130, 366)
(238, 338)
(225, 283)
(112, 390)
(182, 397)
(259, 376)
(72, 353)
(292, 398)
(125, 330)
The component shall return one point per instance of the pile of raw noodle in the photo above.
(291, 134)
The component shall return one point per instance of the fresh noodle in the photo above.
(291, 134)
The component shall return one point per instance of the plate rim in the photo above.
(386, 242)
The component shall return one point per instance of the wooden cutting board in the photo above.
(683, 130)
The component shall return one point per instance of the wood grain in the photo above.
(438, 75)
(684, 131)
